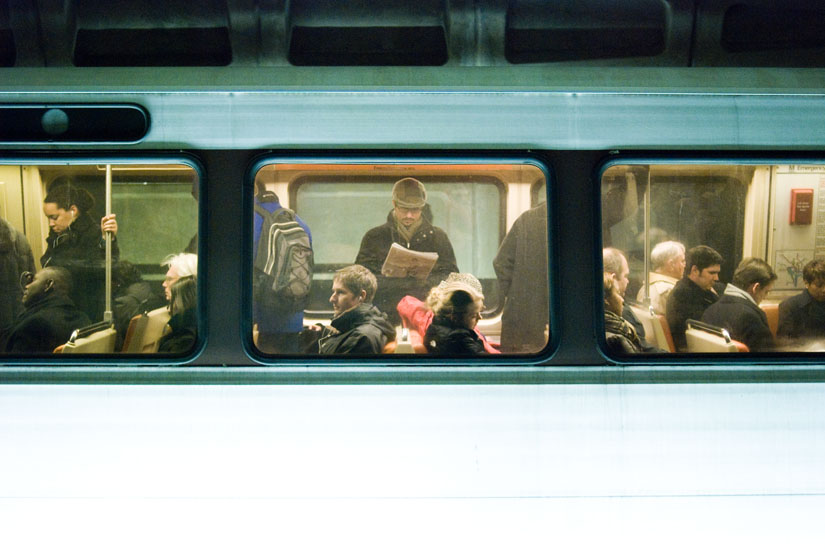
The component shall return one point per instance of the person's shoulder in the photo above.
(798, 300)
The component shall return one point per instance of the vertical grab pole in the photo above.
(107, 314)
(647, 239)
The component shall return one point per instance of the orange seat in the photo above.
(666, 331)
(772, 313)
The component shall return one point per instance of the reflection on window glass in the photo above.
(714, 258)
(95, 258)
(369, 259)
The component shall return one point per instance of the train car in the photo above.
(137, 140)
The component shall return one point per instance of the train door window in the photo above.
(713, 258)
(98, 258)
(407, 249)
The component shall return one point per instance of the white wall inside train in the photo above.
(791, 246)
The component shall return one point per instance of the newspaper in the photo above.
(402, 262)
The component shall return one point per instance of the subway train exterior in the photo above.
(632, 122)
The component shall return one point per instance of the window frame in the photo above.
(377, 363)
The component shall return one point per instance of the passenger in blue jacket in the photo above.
(737, 310)
(277, 328)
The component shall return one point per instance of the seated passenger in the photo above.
(180, 265)
(132, 296)
(49, 317)
(620, 336)
(738, 309)
(409, 225)
(358, 326)
(803, 316)
(695, 292)
(668, 260)
(457, 310)
(183, 325)
(417, 315)
(615, 264)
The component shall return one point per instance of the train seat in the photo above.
(772, 312)
(407, 341)
(657, 332)
(145, 331)
(97, 338)
(706, 338)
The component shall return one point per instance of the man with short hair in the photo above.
(615, 263)
(695, 292)
(49, 317)
(409, 225)
(738, 309)
(358, 326)
(668, 261)
(803, 315)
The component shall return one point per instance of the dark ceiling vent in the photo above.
(358, 33)
(151, 33)
(152, 47)
(368, 46)
(570, 30)
(749, 28)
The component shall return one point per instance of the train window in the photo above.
(711, 258)
(407, 249)
(98, 258)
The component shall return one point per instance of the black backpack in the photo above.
(282, 270)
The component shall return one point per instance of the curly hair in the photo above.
(65, 195)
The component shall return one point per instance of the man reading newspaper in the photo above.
(408, 225)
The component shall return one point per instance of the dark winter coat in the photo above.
(82, 250)
(15, 259)
(135, 299)
(361, 330)
(801, 316)
(374, 249)
(44, 324)
(183, 334)
(688, 301)
(445, 338)
(744, 320)
(620, 336)
(521, 269)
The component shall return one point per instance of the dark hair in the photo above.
(753, 270)
(184, 295)
(61, 279)
(125, 273)
(702, 257)
(814, 271)
(65, 195)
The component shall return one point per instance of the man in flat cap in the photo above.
(408, 224)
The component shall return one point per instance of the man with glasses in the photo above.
(49, 317)
(409, 224)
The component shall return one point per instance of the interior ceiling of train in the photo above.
(252, 33)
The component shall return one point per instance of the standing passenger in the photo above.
(695, 292)
(738, 309)
(278, 325)
(77, 243)
(406, 226)
(357, 326)
(15, 259)
(668, 260)
(521, 269)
